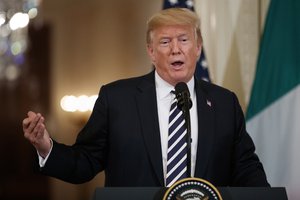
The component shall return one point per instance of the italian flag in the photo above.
(273, 115)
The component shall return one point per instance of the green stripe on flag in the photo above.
(278, 66)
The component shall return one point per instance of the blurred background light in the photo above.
(16, 48)
(12, 72)
(32, 13)
(19, 20)
(68, 103)
(82, 103)
(2, 18)
(5, 31)
(3, 47)
(15, 16)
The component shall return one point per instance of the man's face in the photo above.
(174, 51)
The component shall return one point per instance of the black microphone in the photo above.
(184, 103)
(183, 96)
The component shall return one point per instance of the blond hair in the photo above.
(174, 16)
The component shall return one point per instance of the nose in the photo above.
(175, 48)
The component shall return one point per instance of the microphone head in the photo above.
(183, 95)
(181, 87)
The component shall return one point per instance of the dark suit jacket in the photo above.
(122, 137)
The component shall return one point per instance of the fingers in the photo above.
(33, 122)
(35, 131)
(37, 135)
(40, 129)
(31, 115)
(33, 126)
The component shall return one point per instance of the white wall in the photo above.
(231, 32)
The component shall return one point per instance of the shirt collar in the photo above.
(163, 88)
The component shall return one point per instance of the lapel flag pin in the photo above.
(208, 103)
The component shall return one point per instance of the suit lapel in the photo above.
(147, 107)
(206, 131)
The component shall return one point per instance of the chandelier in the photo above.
(15, 16)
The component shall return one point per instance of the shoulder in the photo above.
(128, 85)
(220, 96)
(129, 82)
(212, 89)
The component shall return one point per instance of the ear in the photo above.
(150, 51)
(199, 49)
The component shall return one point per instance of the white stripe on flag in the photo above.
(276, 134)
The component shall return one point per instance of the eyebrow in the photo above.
(167, 37)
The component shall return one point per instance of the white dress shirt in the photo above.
(42, 161)
(164, 99)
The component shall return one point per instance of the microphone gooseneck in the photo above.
(184, 103)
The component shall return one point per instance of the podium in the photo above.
(156, 193)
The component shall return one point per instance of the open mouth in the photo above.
(177, 64)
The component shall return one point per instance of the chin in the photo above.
(177, 80)
(181, 77)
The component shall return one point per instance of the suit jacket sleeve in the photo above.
(83, 160)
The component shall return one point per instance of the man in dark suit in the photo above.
(127, 133)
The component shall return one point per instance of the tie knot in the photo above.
(173, 95)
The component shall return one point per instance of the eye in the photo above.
(164, 42)
(183, 39)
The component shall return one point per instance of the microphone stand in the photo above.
(184, 103)
(186, 114)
